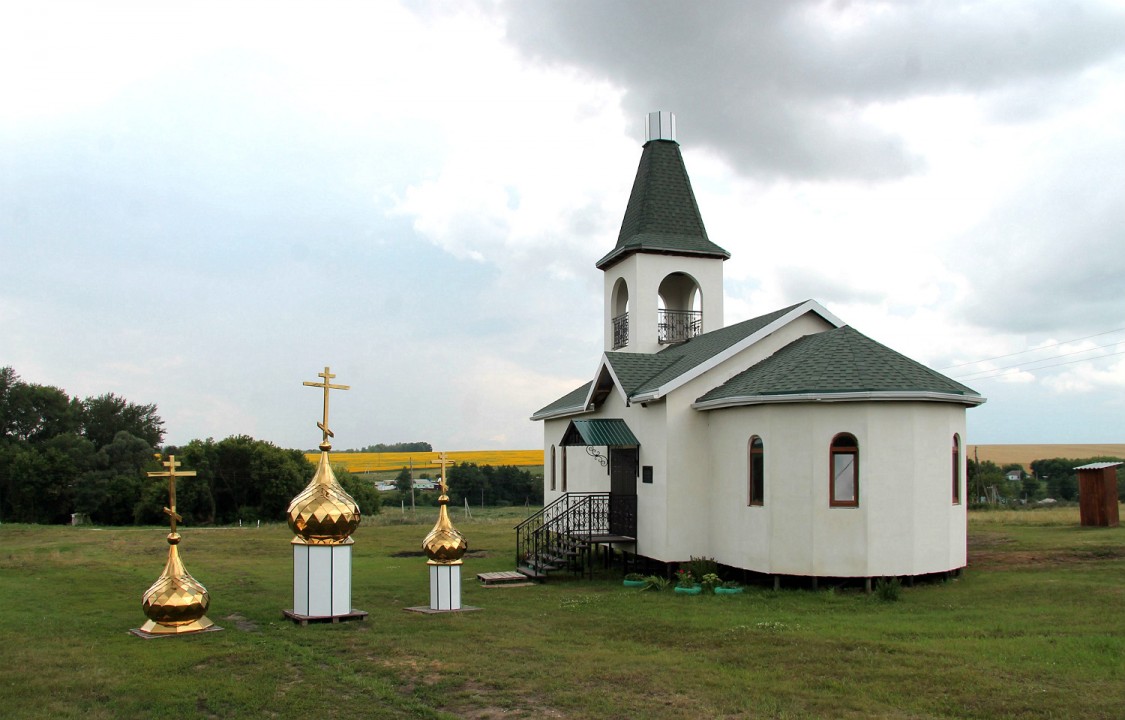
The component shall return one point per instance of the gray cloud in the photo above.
(778, 87)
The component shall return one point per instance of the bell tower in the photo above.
(664, 278)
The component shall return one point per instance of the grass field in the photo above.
(1034, 629)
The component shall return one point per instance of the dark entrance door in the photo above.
(623, 491)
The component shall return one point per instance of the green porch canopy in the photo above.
(603, 433)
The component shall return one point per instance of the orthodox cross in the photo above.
(171, 474)
(442, 461)
(327, 385)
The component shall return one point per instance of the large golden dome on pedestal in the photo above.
(176, 602)
(444, 545)
(323, 513)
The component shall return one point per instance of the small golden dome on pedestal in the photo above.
(176, 602)
(444, 545)
(323, 513)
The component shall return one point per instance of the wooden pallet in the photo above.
(306, 619)
(504, 578)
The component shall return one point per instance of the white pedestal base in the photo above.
(322, 580)
(445, 587)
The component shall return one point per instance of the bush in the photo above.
(655, 583)
(887, 589)
(701, 566)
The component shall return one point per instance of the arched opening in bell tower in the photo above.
(679, 314)
(619, 307)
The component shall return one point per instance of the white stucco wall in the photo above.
(906, 522)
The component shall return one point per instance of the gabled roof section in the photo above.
(688, 360)
(572, 403)
(838, 364)
(643, 377)
(662, 215)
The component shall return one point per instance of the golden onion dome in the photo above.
(323, 513)
(176, 600)
(444, 545)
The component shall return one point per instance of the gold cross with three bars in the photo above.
(442, 461)
(171, 474)
(327, 385)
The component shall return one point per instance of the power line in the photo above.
(1044, 367)
(1023, 352)
(1053, 357)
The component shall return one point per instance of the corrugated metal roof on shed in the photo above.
(1098, 465)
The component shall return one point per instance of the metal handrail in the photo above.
(543, 532)
(581, 515)
(673, 326)
(621, 330)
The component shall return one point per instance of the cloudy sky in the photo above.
(203, 204)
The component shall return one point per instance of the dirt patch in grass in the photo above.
(472, 702)
(990, 551)
(242, 623)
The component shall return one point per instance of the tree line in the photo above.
(61, 456)
(504, 485)
(1053, 478)
(396, 447)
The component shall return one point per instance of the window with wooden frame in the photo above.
(843, 490)
(552, 467)
(755, 470)
(956, 469)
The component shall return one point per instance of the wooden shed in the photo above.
(1097, 494)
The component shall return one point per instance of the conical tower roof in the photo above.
(662, 215)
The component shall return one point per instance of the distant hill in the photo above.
(1025, 454)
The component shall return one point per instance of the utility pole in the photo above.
(411, 484)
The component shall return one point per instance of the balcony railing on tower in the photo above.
(673, 326)
(621, 330)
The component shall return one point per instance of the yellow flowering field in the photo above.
(373, 462)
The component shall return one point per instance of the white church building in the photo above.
(787, 444)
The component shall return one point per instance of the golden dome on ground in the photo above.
(176, 602)
(323, 513)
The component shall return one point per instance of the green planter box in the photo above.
(634, 583)
(694, 590)
(727, 591)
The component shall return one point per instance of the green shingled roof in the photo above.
(662, 215)
(841, 360)
(574, 401)
(679, 359)
(643, 372)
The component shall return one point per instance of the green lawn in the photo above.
(1035, 628)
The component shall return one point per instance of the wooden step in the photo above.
(530, 572)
